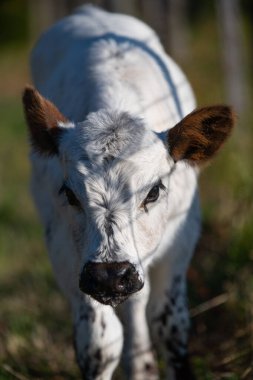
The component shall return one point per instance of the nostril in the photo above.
(120, 284)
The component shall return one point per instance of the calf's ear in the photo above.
(199, 135)
(43, 119)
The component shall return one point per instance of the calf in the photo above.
(115, 153)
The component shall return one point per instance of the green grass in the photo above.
(35, 330)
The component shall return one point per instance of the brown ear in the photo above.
(198, 136)
(42, 118)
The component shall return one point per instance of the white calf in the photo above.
(115, 183)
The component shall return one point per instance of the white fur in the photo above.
(117, 95)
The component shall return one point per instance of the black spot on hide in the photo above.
(150, 368)
(173, 301)
(163, 317)
(98, 355)
(174, 330)
(108, 229)
(91, 366)
(171, 347)
(179, 362)
(86, 313)
(103, 326)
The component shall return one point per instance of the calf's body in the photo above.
(114, 177)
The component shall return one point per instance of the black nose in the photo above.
(110, 283)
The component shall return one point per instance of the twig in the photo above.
(235, 357)
(212, 303)
(246, 372)
(8, 369)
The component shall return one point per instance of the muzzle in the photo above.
(110, 283)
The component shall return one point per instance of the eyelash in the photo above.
(153, 198)
(72, 199)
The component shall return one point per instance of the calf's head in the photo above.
(115, 187)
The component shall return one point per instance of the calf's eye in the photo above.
(72, 199)
(153, 195)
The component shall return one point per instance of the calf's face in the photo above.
(116, 185)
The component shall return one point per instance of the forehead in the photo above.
(113, 141)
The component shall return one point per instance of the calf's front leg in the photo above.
(138, 356)
(98, 339)
(170, 325)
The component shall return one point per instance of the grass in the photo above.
(35, 331)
